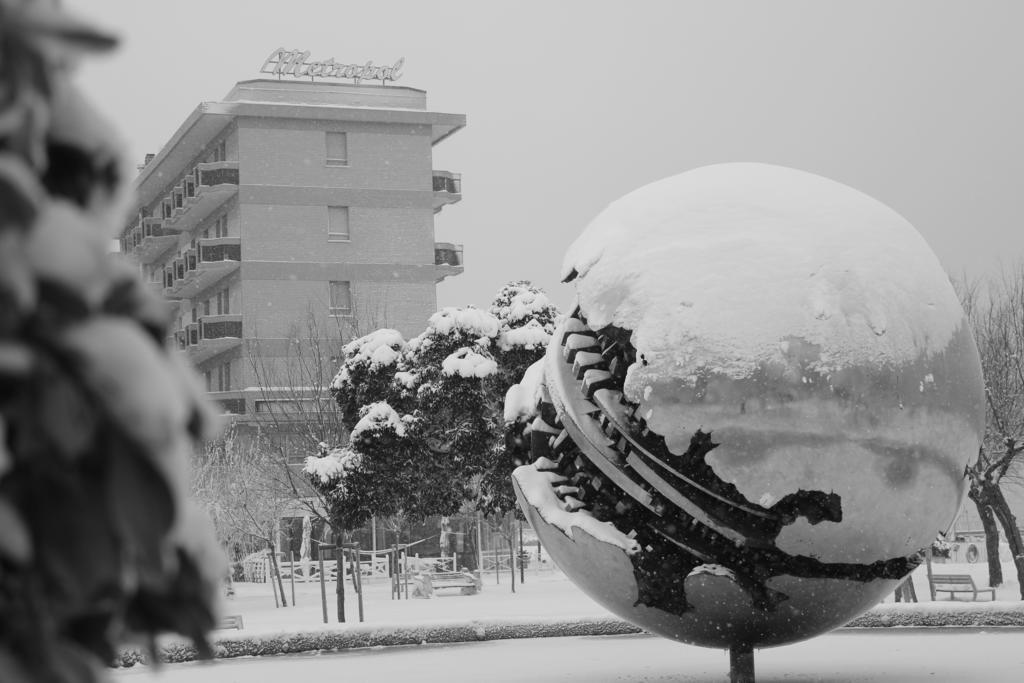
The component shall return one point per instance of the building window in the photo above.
(224, 377)
(208, 376)
(337, 224)
(223, 302)
(337, 149)
(220, 152)
(206, 307)
(222, 226)
(341, 298)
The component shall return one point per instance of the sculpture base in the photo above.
(741, 664)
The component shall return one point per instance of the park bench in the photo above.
(231, 621)
(959, 583)
(425, 583)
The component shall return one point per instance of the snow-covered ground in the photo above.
(868, 655)
(851, 655)
(545, 595)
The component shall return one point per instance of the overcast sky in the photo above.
(573, 104)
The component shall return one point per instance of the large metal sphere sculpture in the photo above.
(759, 414)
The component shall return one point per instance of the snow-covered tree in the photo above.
(997, 320)
(426, 415)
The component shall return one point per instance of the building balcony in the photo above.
(146, 240)
(231, 402)
(154, 242)
(447, 260)
(209, 336)
(211, 261)
(447, 189)
(199, 194)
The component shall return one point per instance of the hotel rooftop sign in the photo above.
(282, 62)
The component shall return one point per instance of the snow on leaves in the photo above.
(430, 409)
(377, 417)
(468, 321)
(332, 467)
(468, 363)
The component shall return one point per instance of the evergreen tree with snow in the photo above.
(426, 415)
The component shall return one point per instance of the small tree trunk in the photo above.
(1001, 509)
(277, 572)
(978, 494)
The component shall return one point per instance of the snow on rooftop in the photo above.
(468, 363)
(472, 321)
(379, 415)
(715, 269)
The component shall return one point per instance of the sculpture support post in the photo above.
(741, 664)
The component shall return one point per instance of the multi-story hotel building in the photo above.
(290, 202)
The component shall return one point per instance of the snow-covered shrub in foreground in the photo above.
(98, 542)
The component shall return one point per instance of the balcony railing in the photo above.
(447, 254)
(216, 173)
(220, 249)
(220, 327)
(209, 262)
(146, 239)
(200, 191)
(447, 182)
(447, 188)
(209, 336)
(447, 260)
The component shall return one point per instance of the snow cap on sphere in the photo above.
(715, 269)
(521, 399)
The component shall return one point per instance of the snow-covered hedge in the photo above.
(942, 614)
(385, 635)
(936, 614)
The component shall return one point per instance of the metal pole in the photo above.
(522, 567)
(741, 664)
(394, 571)
(273, 586)
(291, 561)
(479, 546)
(512, 560)
(339, 584)
(323, 588)
(373, 544)
(497, 562)
(928, 562)
(359, 592)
